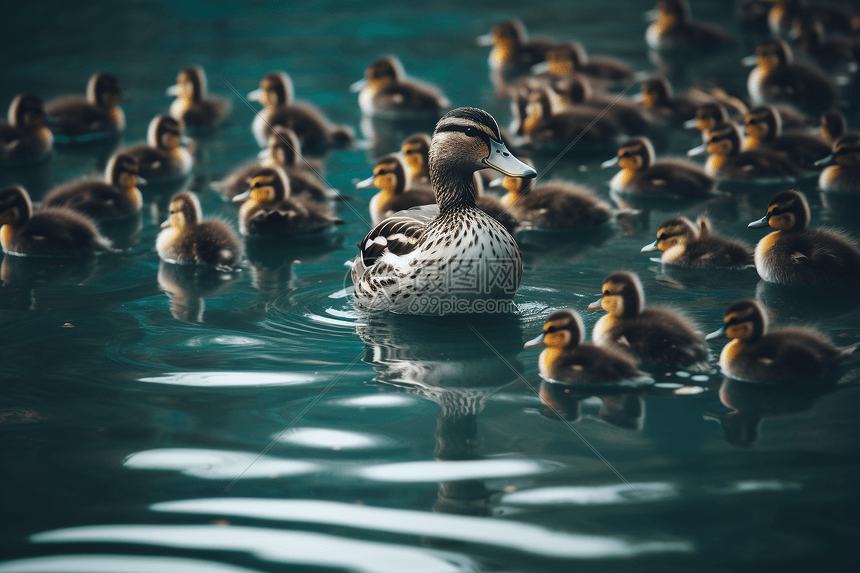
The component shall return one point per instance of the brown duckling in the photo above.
(641, 174)
(763, 128)
(796, 254)
(708, 115)
(673, 29)
(567, 359)
(163, 157)
(25, 136)
(54, 232)
(573, 91)
(842, 171)
(554, 205)
(570, 59)
(95, 116)
(193, 105)
(687, 245)
(186, 238)
(390, 178)
(385, 92)
(650, 334)
(543, 127)
(512, 48)
(657, 97)
(116, 195)
(835, 54)
(833, 125)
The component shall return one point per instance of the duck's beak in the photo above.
(638, 98)
(485, 40)
(595, 305)
(366, 183)
(650, 248)
(140, 181)
(749, 61)
(358, 86)
(165, 224)
(650, 15)
(535, 342)
(242, 196)
(691, 123)
(540, 68)
(504, 162)
(172, 90)
(255, 95)
(717, 334)
(610, 162)
(760, 223)
(185, 141)
(497, 182)
(263, 154)
(700, 150)
(824, 162)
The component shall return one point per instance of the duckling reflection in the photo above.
(23, 278)
(187, 285)
(564, 402)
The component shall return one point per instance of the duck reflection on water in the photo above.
(563, 402)
(188, 285)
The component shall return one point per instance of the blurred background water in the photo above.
(154, 417)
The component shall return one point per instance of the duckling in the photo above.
(49, 233)
(640, 174)
(631, 118)
(783, 13)
(570, 59)
(269, 210)
(512, 49)
(416, 153)
(25, 136)
(763, 128)
(833, 54)
(96, 116)
(385, 92)
(708, 115)
(192, 105)
(727, 161)
(567, 359)
(554, 205)
(545, 128)
(688, 245)
(833, 125)
(186, 238)
(116, 195)
(315, 132)
(415, 260)
(776, 78)
(163, 156)
(656, 95)
(673, 29)
(843, 165)
(390, 178)
(650, 334)
(787, 355)
(795, 254)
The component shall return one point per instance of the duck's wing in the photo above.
(398, 234)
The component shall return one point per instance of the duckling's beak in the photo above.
(165, 224)
(650, 15)
(650, 248)
(691, 123)
(700, 150)
(504, 161)
(366, 183)
(485, 40)
(172, 90)
(610, 162)
(263, 154)
(760, 223)
(185, 141)
(749, 61)
(141, 181)
(358, 86)
(242, 196)
(497, 182)
(717, 334)
(535, 342)
(595, 305)
(540, 68)
(638, 98)
(826, 161)
(255, 95)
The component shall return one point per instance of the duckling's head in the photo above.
(15, 206)
(675, 232)
(563, 60)
(772, 54)
(384, 71)
(621, 295)
(672, 12)
(165, 132)
(104, 90)
(538, 106)
(509, 32)
(184, 211)
(833, 125)
(655, 92)
(744, 320)
(270, 185)
(846, 152)
(416, 152)
(121, 171)
(284, 146)
(762, 123)
(707, 116)
(26, 111)
(572, 89)
(787, 211)
(634, 154)
(724, 139)
(562, 329)
(276, 89)
(388, 176)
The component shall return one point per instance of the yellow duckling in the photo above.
(795, 254)
(687, 245)
(416, 153)
(763, 128)
(47, 233)
(673, 29)
(842, 171)
(567, 359)
(186, 238)
(315, 132)
(385, 92)
(554, 205)
(512, 48)
(788, 355)
(389, 177)
(268, 209)
(116, 195)
(25, 136)
(655, 335)
(192, 105)
(708, 116)
(163, 157)
(641, 174)
(96, 116)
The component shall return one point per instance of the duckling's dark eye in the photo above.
(606, 293)
(471, 132)
(662, 237)
(550, 329)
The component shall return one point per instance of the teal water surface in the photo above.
(156, 417)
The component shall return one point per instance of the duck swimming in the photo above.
(116, 195)
(656, 96)
(416, 260)
(795, 254)
(708, 116)
(672, 29)
(573, 91)
(788, 355)
(655, 335)
(96, 116)
(186, 238)
(192, 105)
(554, 205)
(385, 92)
(389, 177)
(543, 127)
(842, 171)
(640, 174)
(56, 232)
(512, 48)
(687, 245)
(763, 128)
(25, 136)
(163, 157)
(567, 359)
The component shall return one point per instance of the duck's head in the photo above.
(276, 89)
(15, 206)
(674, 232)
(104, 90)
(165, 132)
(562, 329)
(507, 33)
(572, 89)
(284, 147)
(833, 125)
(707, 116)
(184, 211)
(416, 152)
(723, 140)
(563, 60)
(846, 152)
(381, 73)
(621, 295)
(655, 92)
(670, 13)
(744, 320)
(26, 111)
(634, 154)
(190, 84)
(122, 170)
(771, 54)
(761, 124)
(270, 185)
(787, 211)
(388, 176)
(538, 106)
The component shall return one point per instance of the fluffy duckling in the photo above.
(783, 13)
(573, 91)
(776, 78)
(267, 208)
(416, 153)
(545, 128)
(708, 116)
(787, 355)
(687, 245)
(116, 195)
(389, 177)
(96, 116)
(25, 136)
(163, 156)
(650, 334)
(656, 95)
(640, 174)
(186, 238)
(727, 161)
(833, 54)
(673, 29)
(385, 92)
(795, 254)
(843, 165)
(554, 205)
(763, 128)
(571, 59)
(833, 125)
(512, 48)
(192, 105)
(567, 359)
(315, 132)
(47, 233)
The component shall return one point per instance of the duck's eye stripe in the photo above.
(468, 130)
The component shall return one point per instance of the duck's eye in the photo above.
(662, 237)
(471, 132)
(550, 329)
(606, 293)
